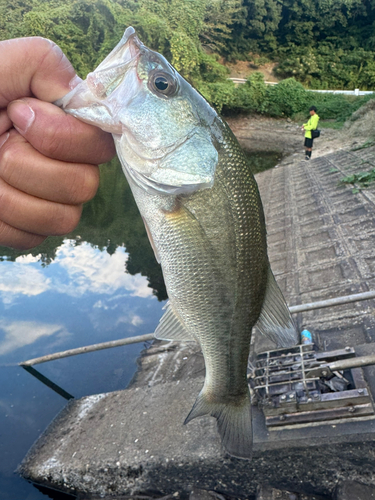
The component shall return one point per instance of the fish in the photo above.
(204, 218)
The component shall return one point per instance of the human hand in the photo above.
(48, 159)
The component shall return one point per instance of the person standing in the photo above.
(312, 124)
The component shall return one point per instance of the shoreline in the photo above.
(282, 135)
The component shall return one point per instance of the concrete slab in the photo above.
(349, 490)
(321, 239)
(133, 442)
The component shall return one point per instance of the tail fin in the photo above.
(233, 423)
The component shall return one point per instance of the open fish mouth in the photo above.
(135, 94)
(114, 80)
(110, 73)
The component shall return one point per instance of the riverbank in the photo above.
(258, 133)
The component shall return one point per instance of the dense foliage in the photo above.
(288, 99)
(361, 180)
(320, 43)
(87, 29)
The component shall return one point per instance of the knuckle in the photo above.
(9, 157)
(4, 198)
(90, 182)
(84, 183)
(20, 240)
(48, 52)
(51, 143)
(67, 219)
(6, 160)
(104, 147)
(7, 200)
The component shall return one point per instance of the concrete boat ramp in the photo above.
(321, 245)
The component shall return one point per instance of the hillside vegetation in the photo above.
(319, 43)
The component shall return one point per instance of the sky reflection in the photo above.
(76, 270)
(93, 271)
(96, 279)
(83, 296)
(22, 333)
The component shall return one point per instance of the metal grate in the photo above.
(289, 390)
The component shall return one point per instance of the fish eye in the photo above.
(162, 84)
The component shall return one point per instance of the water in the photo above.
(262, 160)
(99, 283)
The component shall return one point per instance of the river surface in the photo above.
(97, 284)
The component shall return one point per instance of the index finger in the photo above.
(34, 66)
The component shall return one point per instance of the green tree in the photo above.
(220, 17)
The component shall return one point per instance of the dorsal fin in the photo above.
(275, 320)
(171, 327)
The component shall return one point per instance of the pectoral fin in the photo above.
(172, 328)
(275, 320)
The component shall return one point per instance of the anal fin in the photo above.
(171, 327)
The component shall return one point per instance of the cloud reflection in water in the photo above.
(19, 278)
(90, 270)
(82, 269)
(22, 333)
(80, 274)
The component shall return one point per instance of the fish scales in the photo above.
(234, 183)
(204, 218)
(189, 238)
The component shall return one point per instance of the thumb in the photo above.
(57, 135)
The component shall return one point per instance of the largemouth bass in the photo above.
(204, 218)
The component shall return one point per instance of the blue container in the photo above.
(306, 337)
